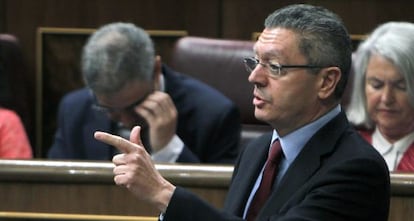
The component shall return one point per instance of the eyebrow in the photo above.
(392, 81)
(267, 54)
(132, 105)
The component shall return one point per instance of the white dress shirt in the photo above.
(392, 152)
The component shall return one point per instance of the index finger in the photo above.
(118, 142)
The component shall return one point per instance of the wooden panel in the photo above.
(81, 187)
(360, 17)
(58, 71)
(401, 208)
(24, 216)
(249, 16)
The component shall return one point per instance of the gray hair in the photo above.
(116, 54)
(323, 38)
(395, 42)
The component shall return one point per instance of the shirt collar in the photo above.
(294, 142)
(384, 147)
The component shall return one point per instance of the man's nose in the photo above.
(121, 116)
(258, 75)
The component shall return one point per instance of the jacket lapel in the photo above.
(95, 149)
(246, 171)
(306, 164)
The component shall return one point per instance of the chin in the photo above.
(260, 115)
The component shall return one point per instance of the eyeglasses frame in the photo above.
(271, 69)
(110, 110)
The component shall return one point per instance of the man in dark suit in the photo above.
(322, 169)
(183, 120)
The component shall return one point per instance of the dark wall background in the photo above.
(231, 19)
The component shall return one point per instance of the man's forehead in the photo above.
(268, 35)
(274, 41)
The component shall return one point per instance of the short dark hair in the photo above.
(117, 53)
(323, 38)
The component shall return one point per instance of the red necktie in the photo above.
(407, 161)
(269, 175)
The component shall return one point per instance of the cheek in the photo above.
(404, 103)
(373, 97)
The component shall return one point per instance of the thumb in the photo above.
(135, 136)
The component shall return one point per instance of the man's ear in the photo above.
(157, 66)
(157, 71)
(329, 78)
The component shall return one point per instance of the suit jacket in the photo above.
(336, 176)
(208, 123)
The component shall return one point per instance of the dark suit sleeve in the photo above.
(226, 137)
(351, 190)
(77, 122)
(59, 148)
(221, 144)
(208, 122)
(187, 156)
(187, 206)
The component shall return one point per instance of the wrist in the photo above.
(163, 198)
(161, 144)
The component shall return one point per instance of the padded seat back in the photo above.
(218, 63)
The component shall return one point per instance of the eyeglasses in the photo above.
(111, 110)
(276, 70)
